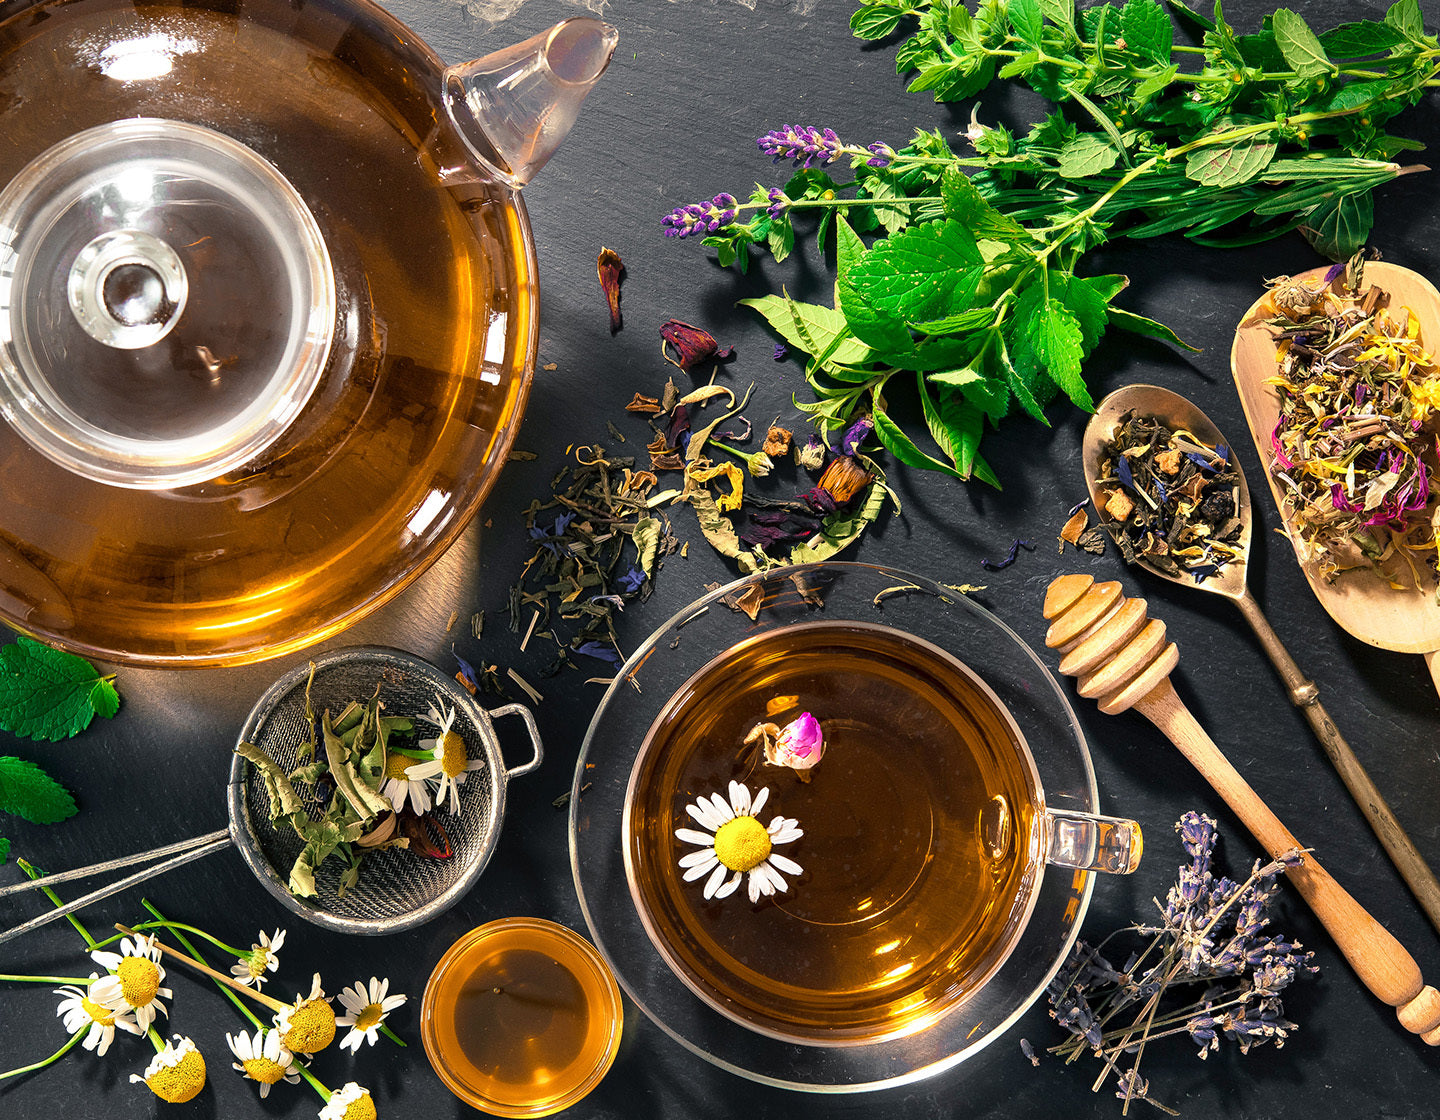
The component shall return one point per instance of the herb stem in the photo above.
(231, 996)
(55, 1057)
(35, 873)
(178, 926)
(85, 980)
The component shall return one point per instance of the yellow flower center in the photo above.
(100, 1014)
(139, 980)
(395, 764)
(370, 1017)
(312, 1027)
(259, 959)
(264, 1070)
(742, 844)
(452, 754)
(181, 1082)
(361, 1108)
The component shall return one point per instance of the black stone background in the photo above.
(692, 84)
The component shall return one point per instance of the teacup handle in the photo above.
(1088, 842)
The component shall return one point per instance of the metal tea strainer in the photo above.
(397, 888)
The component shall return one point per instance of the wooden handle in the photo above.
(229, 981)
(1306, 696)
(1121, 659)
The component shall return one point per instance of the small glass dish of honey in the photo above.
(521, 1017)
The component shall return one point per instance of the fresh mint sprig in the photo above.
(970, 288)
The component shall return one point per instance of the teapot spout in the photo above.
(514, 107)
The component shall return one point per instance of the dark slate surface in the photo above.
(693, 83)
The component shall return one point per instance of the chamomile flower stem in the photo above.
(224, 988)
(55, 1057)
(177, 926)
(315, 1083)
(82, 981)
(155, 1040)
(233, 985)
(392, 1036)
(34, 873)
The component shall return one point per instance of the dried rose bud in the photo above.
(844, 478)
(693, 344)
(799, 745)
(610, 267)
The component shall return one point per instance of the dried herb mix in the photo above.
(1169, 499)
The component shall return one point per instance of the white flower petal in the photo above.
(704, 815)
(701, 869)
(739, 799)
(754, 886)
(712, 884)
(729, 888)
(691, 836)
(722, 808)
(422, 770)
(701, 855)
(759, 802)
(784, 863)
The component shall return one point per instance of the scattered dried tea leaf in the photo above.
(643, 404)
(1077, 524)
(693, 345)
(777, 441)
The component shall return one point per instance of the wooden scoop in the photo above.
(1121, 658)
(1404, 620)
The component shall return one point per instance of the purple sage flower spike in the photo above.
(807, 146)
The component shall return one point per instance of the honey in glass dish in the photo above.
(383, 458)
(521, 1017)
(920, 846)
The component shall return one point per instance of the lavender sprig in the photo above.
(1211, 937)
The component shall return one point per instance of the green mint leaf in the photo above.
(1405, 17)
(1261, 51)
(1020, 65)
(976, 318)
(883, 332)
(1189, 15)
(819, 331)
(1302, 50)
(964, 202)
(1107, 287)
(1147, 30)
(1359, 39)
(1086, 155)
(920, 273)
(50, 694)
(1339, 228)
(895, 441)
(955, 425)
(1085, 303)
(1155, 83)
(1062, 14)
(874, 22)
(1053, 341)
(30, 793)
(1026, 20)
(1229, 165)
(1027, 390)
(1139, 324)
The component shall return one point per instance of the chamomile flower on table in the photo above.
(308, 1026)
(448, 762)
(79, 1009)
(263, 1059)
(262, 958)
(365, 1010)
(177, 1073)
(134, 982)
(353, 1102)
(737, 845)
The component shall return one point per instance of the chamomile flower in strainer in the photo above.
(353, 1102)
(365, 1011)
(177, 1073)
(398, 788)
(263, 1059)
(736, 841)
(79, 1009)
(449, 762)
(308, 1026)
(134, 982)
(262, 958)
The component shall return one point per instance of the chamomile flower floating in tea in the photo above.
(309, 1026)
(736, 842)
(262, 958)
(365, 1011)
(353, 1102)
(263, 1059)
(449, 762)
(79, 1010)
(135, 980)
(177, 1072)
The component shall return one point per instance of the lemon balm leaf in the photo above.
(29, 792)
(50, 694)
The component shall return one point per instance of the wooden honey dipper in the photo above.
(1121, 658)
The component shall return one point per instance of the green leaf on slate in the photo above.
(874, 22)
(1405, 17)
(1156, 83)
(1055, 341)
(1147, 30)
(1142, 325)
(1027, 20)
(1338, 229)
(903, 447)
(1356, 40)
(964, 202)
(1226, 166)
(30, 793)
(867, 322)
(920, 273)
(50, 694)
(818, 330)
(1299, 45)
(1086, 155)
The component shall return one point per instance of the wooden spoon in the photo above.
(1175, 412)
(1404, 620)
(1121, 658)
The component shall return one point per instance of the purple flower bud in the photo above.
(779, 202)
(800, 744)
(701, 217)
(882, 155)
(807, 146)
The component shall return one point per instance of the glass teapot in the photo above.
(268, 311)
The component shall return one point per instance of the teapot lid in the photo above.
(167, 303)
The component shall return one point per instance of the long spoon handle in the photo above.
(1381, 962)
(1306, 696)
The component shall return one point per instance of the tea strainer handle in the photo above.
(529, 717)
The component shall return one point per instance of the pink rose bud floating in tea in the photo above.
(734, 841)
(799, 745)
